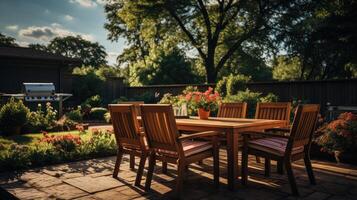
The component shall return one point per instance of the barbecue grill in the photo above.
(41, 92)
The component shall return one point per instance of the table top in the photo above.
(225, 122)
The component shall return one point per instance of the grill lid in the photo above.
(39, 89)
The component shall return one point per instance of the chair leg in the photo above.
(267, 167)
(257, 158)
(291, 177)
(140, 169)
(180, 176)
(216, 167)
(152, 161)
(132, 161)
(117, 164)
(164, 167)
(280, 167)
(309, 170)
(244, 167)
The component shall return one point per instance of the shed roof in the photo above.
(30, 53)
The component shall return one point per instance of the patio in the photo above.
(92, 179)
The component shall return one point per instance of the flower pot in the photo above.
(203, 114)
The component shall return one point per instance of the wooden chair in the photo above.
(136, 104)
(277, 111)
(129, 138)
(167, 145)
(286, 149)
(232, 110)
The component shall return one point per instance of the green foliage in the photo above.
(216, 30)
(286, 68)
(97, 113)
(85, 86)
(53, 149)
(90, 53)
(221, 86)
(107, 117)
(7, 41)
(42, 120)
(93, 101)
(236, 83)
(324, 38)
(75, 114)
(13, 115)
(164, 65)
(251, 98)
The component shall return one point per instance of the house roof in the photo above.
(30, 53)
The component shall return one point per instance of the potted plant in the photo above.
(339, 137)
(204, 102)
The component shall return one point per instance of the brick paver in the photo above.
(92, 180)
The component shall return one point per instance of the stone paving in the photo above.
(92, 180)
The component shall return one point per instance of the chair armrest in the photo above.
(199, 135)
(262, 134)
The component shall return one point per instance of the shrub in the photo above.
(40, 120)
(120, 99)
(339, 135)
(236, 83)
(53, 149)
(75, 115)
(63, 143)
(251, 98)
(97, 113)
(13, 116)
(94, 101)
(221, 86)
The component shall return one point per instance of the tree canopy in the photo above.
(91, 53)
(240, 36)
(7, 41)
(216, 30)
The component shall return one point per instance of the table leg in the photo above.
(232, 158)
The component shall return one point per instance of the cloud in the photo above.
(12, 27)
(43, 34)
(47, 11)
(84, 3)
(68, 17)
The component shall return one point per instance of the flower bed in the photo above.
(45, 149)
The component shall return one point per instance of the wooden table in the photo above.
(231, 128)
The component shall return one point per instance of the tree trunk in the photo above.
(210, 69)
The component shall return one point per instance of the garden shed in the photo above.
(19, 65)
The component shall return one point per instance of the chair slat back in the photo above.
(276, 111)
(304, 125)
(232, 110)
(136, 104)
(160, 126)
(125, 123)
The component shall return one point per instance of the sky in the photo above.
(39, 21)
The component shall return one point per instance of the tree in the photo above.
(199, 24)
(165, 65)
(39, 47)
(285, 68)
(7, 41)
(91, 53)
(324, 38)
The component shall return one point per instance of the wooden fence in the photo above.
(335, 92)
